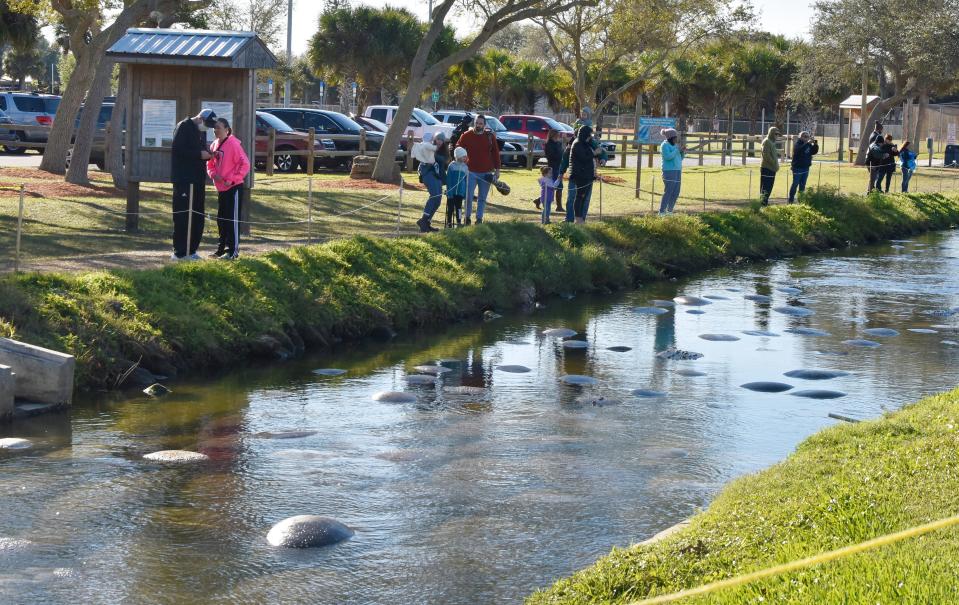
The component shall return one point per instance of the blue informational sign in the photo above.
(648, 131)
(322, 86)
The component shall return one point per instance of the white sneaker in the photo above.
(175, 257)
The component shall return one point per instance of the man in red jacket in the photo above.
(484, 164)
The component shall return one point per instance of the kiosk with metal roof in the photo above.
(171, 74)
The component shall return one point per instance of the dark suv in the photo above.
(99, 135)
(346, 131)
(28, 109)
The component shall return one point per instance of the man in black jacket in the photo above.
(190, 153)
(805, 148)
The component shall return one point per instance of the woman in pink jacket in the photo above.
(228, 168)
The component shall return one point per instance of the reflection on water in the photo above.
(472, 495)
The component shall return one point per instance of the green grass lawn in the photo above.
(842, 486)
(93, 224)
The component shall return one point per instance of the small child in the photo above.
(547, 189)
(457, 176)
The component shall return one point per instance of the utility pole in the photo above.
(289, 50)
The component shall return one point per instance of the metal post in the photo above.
(309, 210)
(704, 191)
(289, 50)
(652, 192)
(311, 147)
(639, 169)
(189, 223)
(529, 152)
(16, 262)
(600, 198)
(399, 209)
(270, 151)
(362, 141)
(749, 192)
(622, 157)
(819, 182)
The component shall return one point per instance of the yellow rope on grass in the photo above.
(802, 563)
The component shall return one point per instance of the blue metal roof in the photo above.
(188, 46)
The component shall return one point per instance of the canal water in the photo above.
(468, 498)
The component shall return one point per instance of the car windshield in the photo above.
(556, 125)
(494, 124)
(343, 121)
(375, 124)
(274, 122)
(424, 117)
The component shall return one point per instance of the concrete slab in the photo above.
(7, 386)
(43, 376)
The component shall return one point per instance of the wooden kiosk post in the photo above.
(172, 74)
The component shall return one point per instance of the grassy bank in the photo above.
(201, 316)
(845, 485)
(82, 223)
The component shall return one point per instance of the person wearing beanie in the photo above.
(433, 159)
(457, 176)
(189, 155)
(805, 148)
(770, 165)
(672, 155)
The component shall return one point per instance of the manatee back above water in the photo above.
(818, 394)
(15, 443)
(794, 311)
(559, 332)
(880, 332)
(760, 298)
(804, 374)
(675, 354)
(577, 379)
(513, 369)
(859, 342)
(394, 397)
(766, 387)
(691, 301)
(719, 337)
(176, 457)
(308, 531)
(804, 331)
(650, 310)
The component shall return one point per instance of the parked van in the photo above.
(422, 124)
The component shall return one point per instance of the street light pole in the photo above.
(289, 51)
(429, 17)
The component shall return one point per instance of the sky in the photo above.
(787, 17)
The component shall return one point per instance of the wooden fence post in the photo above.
(409, 150)
(622, 159)
(133, 206)
(529, 152)
(639, 167)
(311, 143)
(270, 151)
(362, 141)
(649, 157)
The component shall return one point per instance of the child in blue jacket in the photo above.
(457, 175)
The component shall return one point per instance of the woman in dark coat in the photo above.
(582, 171)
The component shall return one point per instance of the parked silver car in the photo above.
(28, 109)
(5, 135)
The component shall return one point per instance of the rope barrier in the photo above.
(811, 561)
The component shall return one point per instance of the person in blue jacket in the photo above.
(672, 155)
(457, 176)
(907, 159)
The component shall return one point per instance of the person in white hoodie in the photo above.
(433, 157)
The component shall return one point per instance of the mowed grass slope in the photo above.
(205, 315)
(842, 486)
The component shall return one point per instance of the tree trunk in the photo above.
(907, 120)
(83, 143)
(114, 147)
(921, 111)
(383, 171)
(880, 109)
(58, 142)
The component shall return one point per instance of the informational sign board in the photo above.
(716, 125)
(222, 109)
(159, 122)
(436, 96)
(951, 134)
(649, 127)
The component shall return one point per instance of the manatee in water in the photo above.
(950, 343)
(945, 328)
(794, 311)
(833, 353)
(922, 331)
(394, 397)
(619, 349)
(648, 393)
(308, 531)
(897, 247)
(432, 369)
(513, 369)
(696, 312)
(663, 303)
(941, 312)
(157, 390)
(667, 453)
(575, 344)
(767, 387)
(559, 332)
(602, 402)
(678, 354)
(715, 297)
(880, 332)
(760, 298)
(733, 289)
(859, 342)
(15, 443)
(464, 390)
(818, 394)
(719, 337)
(789, 290)
(285, 434)
(803, 331)
(176, 457)
(650, 310)
(760, 333)
(691, 301)
(816, 374)
(576, 379)
(420, 379)
(329, 372)
(690, 373)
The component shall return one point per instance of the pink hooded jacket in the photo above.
(229, 164)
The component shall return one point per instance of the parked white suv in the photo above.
(422, 124)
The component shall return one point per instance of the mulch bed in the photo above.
(43, 184)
